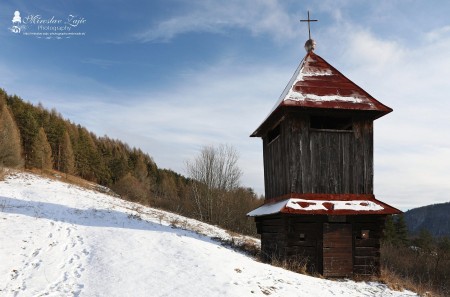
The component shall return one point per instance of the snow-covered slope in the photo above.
(57, 239)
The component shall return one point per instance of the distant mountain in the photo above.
(434, 218)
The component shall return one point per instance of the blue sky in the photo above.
(172, 76)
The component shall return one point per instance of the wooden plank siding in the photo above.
(329, 248)
(304, 243)
(281, 239)
(305, 160)
(367, 251)
(273, 236)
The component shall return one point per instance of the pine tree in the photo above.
(424, 240)
(401, 230)
(24, 115)
(84, 149)
(67, 156)
(396, 231)
(55, 127)
(41, 152)
(140, 168)
(390, 235)
(10, 146)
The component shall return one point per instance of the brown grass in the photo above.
(71, 179)
(56, 175)
(2, 173)
(295, 264)
(395, 282)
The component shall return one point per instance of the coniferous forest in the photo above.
(35, 137)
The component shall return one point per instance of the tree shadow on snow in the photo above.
(92, 217)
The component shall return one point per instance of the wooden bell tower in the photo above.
(318, 173)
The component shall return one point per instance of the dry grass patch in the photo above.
(72, 179)
(395, 282)
(2, 173)
(424, 271)
(295, 264)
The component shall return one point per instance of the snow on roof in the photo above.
(324, 206)
(316, 80)
(360, 205)
(267, 209)
(317, 84)
(297, 96)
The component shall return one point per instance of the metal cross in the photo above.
(309, 21)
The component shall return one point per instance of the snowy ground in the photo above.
(57, 239)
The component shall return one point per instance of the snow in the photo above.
(62, 240)
(289, 92)
(357, 205)
(315, 205)
(267, 209)
(297, 96)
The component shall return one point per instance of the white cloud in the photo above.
(226, 101)
(258, 17)
(412, 144)
(221, 103)
(438, 34)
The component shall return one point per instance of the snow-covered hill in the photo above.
(58, 239)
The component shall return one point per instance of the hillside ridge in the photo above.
(61, 239)
(434, 218)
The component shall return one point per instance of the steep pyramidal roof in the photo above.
(316, 84)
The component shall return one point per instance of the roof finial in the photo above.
(310, 45)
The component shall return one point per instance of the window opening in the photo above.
(365, 234)
(273, 134)
(302, 237)
(331, 123)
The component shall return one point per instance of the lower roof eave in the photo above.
(325, 204)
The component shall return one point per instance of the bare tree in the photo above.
(215, 171)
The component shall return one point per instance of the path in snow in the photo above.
(61, 240)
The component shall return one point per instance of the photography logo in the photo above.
(47, 27)
(17, 26)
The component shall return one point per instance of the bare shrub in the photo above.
(132, 189)
(418, 269)
(175, 223)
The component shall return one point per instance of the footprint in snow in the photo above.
(36, 264)
(35, 253)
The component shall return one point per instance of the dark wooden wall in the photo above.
(330, 248)
(366, 253)
(305, 160)
(281, 238)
